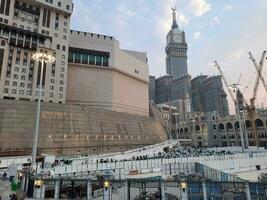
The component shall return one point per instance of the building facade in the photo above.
(212, 130)
(152, 89)
(102, 75)
(28, 27)
(208, 95)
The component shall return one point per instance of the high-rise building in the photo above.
(208, 95)
(152, 89)
(176, 50)
(174, 89)
(25, 28)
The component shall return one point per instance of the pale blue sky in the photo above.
(222, 30)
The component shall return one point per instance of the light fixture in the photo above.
(43, 58)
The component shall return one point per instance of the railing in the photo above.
(235, 162)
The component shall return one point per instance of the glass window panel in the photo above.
(85, 58)
(98, 60)
(105, 61)
(77, 57)
(92, 60)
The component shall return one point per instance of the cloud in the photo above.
(182, 19)
(196, 35)
(164, 20)
(125, 11)
(228, 7)
(216, 20)
(198, 7)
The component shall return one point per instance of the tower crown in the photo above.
(174, 22)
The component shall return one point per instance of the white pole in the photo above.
(37, 118)
(240, 128)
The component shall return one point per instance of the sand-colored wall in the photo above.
(67, 129)
(107, 88)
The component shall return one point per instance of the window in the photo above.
(84, 58)
(22, 85)
(61, 82)
(16, 69)
(64, 37)
(62, 69)
(63, 63)
(77, 57)
(5, 90)
(67, 7)
(60, 96)
(29, 85)
(64, 48)
(51, 95)
(92, 60)
(105, 61)
(61, 89)
(63, 56)
(58, 46)
(23, 70)
(98, 60)
(65, 30)
(52, 81)
(22, 77)
(15, 84)
(14, 91)
(56, 35)
(61, 75)
(29, 93)
(3, 43)
(6, 82)
(51, 87)
(21, 92)
(59, 4)
(65, 23)
(15, 76)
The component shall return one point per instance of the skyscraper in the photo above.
(176, 50)
(25, 28)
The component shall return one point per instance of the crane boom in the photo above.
(225, 81)
(259, 70)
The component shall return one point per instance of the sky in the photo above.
(222, 30)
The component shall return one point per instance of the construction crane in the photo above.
(225, 82)
(251, 108)
(235, 100)
(259, 71)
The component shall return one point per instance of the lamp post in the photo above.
(176, 123)
(43, 58)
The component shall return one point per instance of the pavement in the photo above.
(5, 189)
(251, 175)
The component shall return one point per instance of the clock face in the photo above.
(177, 38)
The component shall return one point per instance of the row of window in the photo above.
(86, 58)
(29, 93)
(4, 7)
(58, 4)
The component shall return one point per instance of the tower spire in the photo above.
(174, 22)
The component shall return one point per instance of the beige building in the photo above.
(27, 26)
(102, 75)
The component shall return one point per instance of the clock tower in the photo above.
(176, 50)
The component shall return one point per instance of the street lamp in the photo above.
(176, 123)
(43, 58)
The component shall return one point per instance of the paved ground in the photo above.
(5, 189)
(250, 175)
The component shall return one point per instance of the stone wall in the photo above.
(67, 129)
